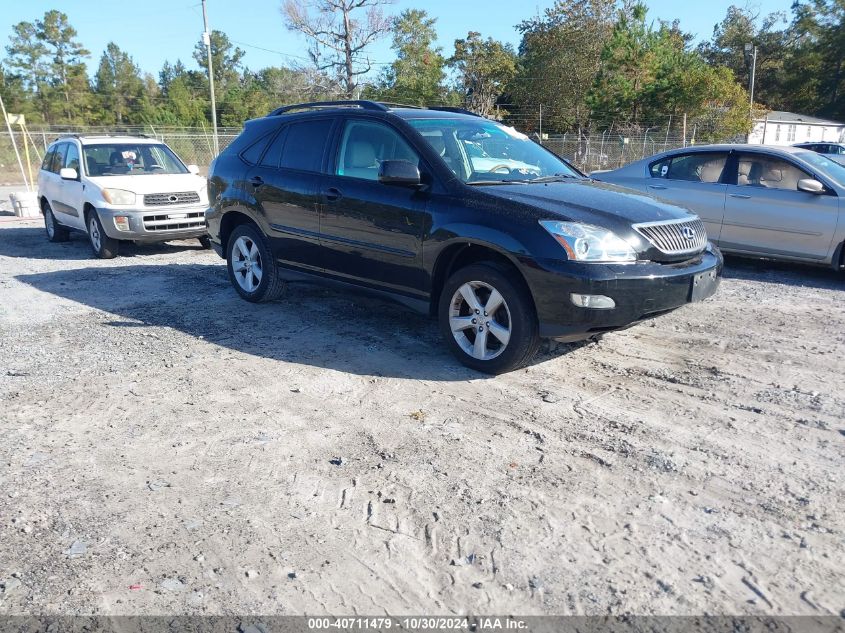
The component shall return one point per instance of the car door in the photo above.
(693, 180)
(371, 231)
(63, 213)
(284, 185)
(69, 196)
(765, 212)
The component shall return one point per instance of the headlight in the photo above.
(587, 243)
(118, 196)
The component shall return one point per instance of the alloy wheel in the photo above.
(246, 263)
(480, 320)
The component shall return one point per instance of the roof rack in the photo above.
(364, 105)
(456, 110)
(400, 105)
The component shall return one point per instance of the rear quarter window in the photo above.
(305, 145)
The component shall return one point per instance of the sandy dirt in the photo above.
(168, 448)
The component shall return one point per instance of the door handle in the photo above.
(256, 181)
(741, 196)
(332, 194)
(657, 186)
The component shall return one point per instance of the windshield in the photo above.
(482, 151)
(825, 165)
(134, 159)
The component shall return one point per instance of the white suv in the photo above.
(120, 188)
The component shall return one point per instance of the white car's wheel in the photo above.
(55, 231)
(103, 246)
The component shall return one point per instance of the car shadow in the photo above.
(782, 272)
(309, 324)
(31, 242)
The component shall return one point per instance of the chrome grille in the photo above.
(177, 197)
(174, 221)
(675, 237)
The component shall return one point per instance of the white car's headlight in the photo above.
(588, 243)
(118, 196)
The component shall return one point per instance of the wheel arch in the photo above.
(463, 252)
(231, 220)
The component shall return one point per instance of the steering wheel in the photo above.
(498, 167)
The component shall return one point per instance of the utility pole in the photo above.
(206, 38)
(751, 51)
(541, 123)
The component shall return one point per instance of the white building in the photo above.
(788, 128)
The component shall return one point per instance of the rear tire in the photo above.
(104, 247)
(488, 319)
(55, 231)
(252, 267)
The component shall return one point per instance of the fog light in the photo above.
(599, 302)
(121, 222)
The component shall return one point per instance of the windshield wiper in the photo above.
(497, 182)
(555, 178)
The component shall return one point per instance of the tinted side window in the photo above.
(252, 154)
(273, 155)
(58, 158)
(305, 144)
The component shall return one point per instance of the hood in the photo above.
(152, 183)
(598, 203)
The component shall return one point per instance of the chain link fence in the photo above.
(589, 152)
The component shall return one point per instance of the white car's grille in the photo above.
(176, 197)
(675, 237)
(174, 221)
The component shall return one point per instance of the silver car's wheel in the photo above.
(480, 320)
(246, 263)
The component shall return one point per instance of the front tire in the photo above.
(104, 247)
(55, 231)
(252, 268)
(488, 319)
(205, 242)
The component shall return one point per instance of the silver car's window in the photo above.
(826, 166)
(692, 167)
(759, 170)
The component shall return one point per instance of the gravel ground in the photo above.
(168, 448)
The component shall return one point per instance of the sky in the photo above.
(157, 30)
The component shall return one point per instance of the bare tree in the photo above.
(338, 38)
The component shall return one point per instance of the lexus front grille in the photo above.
(675, 237)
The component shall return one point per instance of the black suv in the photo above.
(454, 215)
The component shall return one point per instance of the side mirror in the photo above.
(193, 169)
(808, 185)
(399, 172)
(68, 173)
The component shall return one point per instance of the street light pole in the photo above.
(206, 38)
(751, 50)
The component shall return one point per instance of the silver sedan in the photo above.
(775, 202)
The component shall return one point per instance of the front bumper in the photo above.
(641, 290)
(155, 224)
